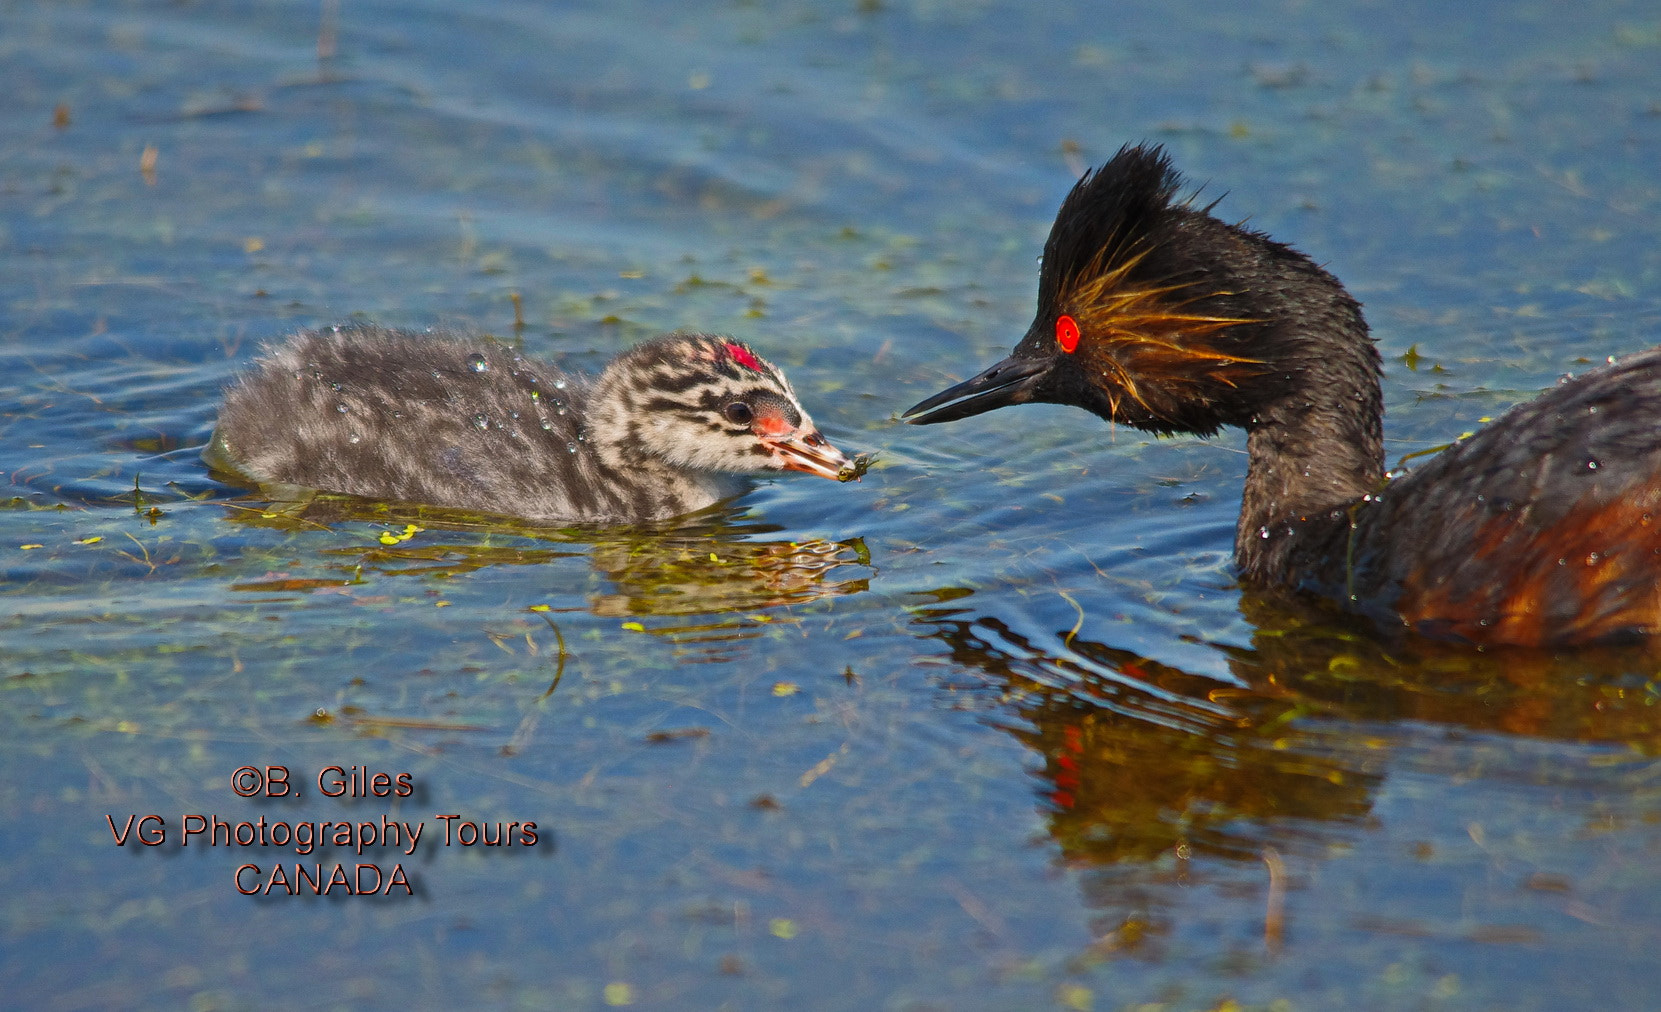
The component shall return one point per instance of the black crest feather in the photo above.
(1110, 213)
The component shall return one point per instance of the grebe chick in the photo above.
(667, 428)
(1543, 528)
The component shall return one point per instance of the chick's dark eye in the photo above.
(738, 413)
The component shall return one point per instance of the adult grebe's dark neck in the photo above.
(1318, 446)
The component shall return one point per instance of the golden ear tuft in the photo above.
(1146, 337)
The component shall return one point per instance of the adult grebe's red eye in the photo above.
(1066, 333)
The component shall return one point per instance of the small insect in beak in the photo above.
(811, 452)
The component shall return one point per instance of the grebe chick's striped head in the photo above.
(707, 403)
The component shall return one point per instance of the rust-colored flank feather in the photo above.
(1589, 576)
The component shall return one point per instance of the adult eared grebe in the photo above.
(665, 429)
(1543, 528)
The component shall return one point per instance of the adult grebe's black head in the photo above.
(1540, 529)
(1153, 313)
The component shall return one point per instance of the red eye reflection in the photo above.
(1066, 333)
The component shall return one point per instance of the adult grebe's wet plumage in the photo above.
(1543, 528)
(668, 427)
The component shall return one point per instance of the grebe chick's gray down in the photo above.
(668, 427)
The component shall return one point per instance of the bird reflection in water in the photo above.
(1153, 776)
(714, 567)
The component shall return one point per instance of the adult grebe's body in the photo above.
(1543, 528)
(667, 428)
